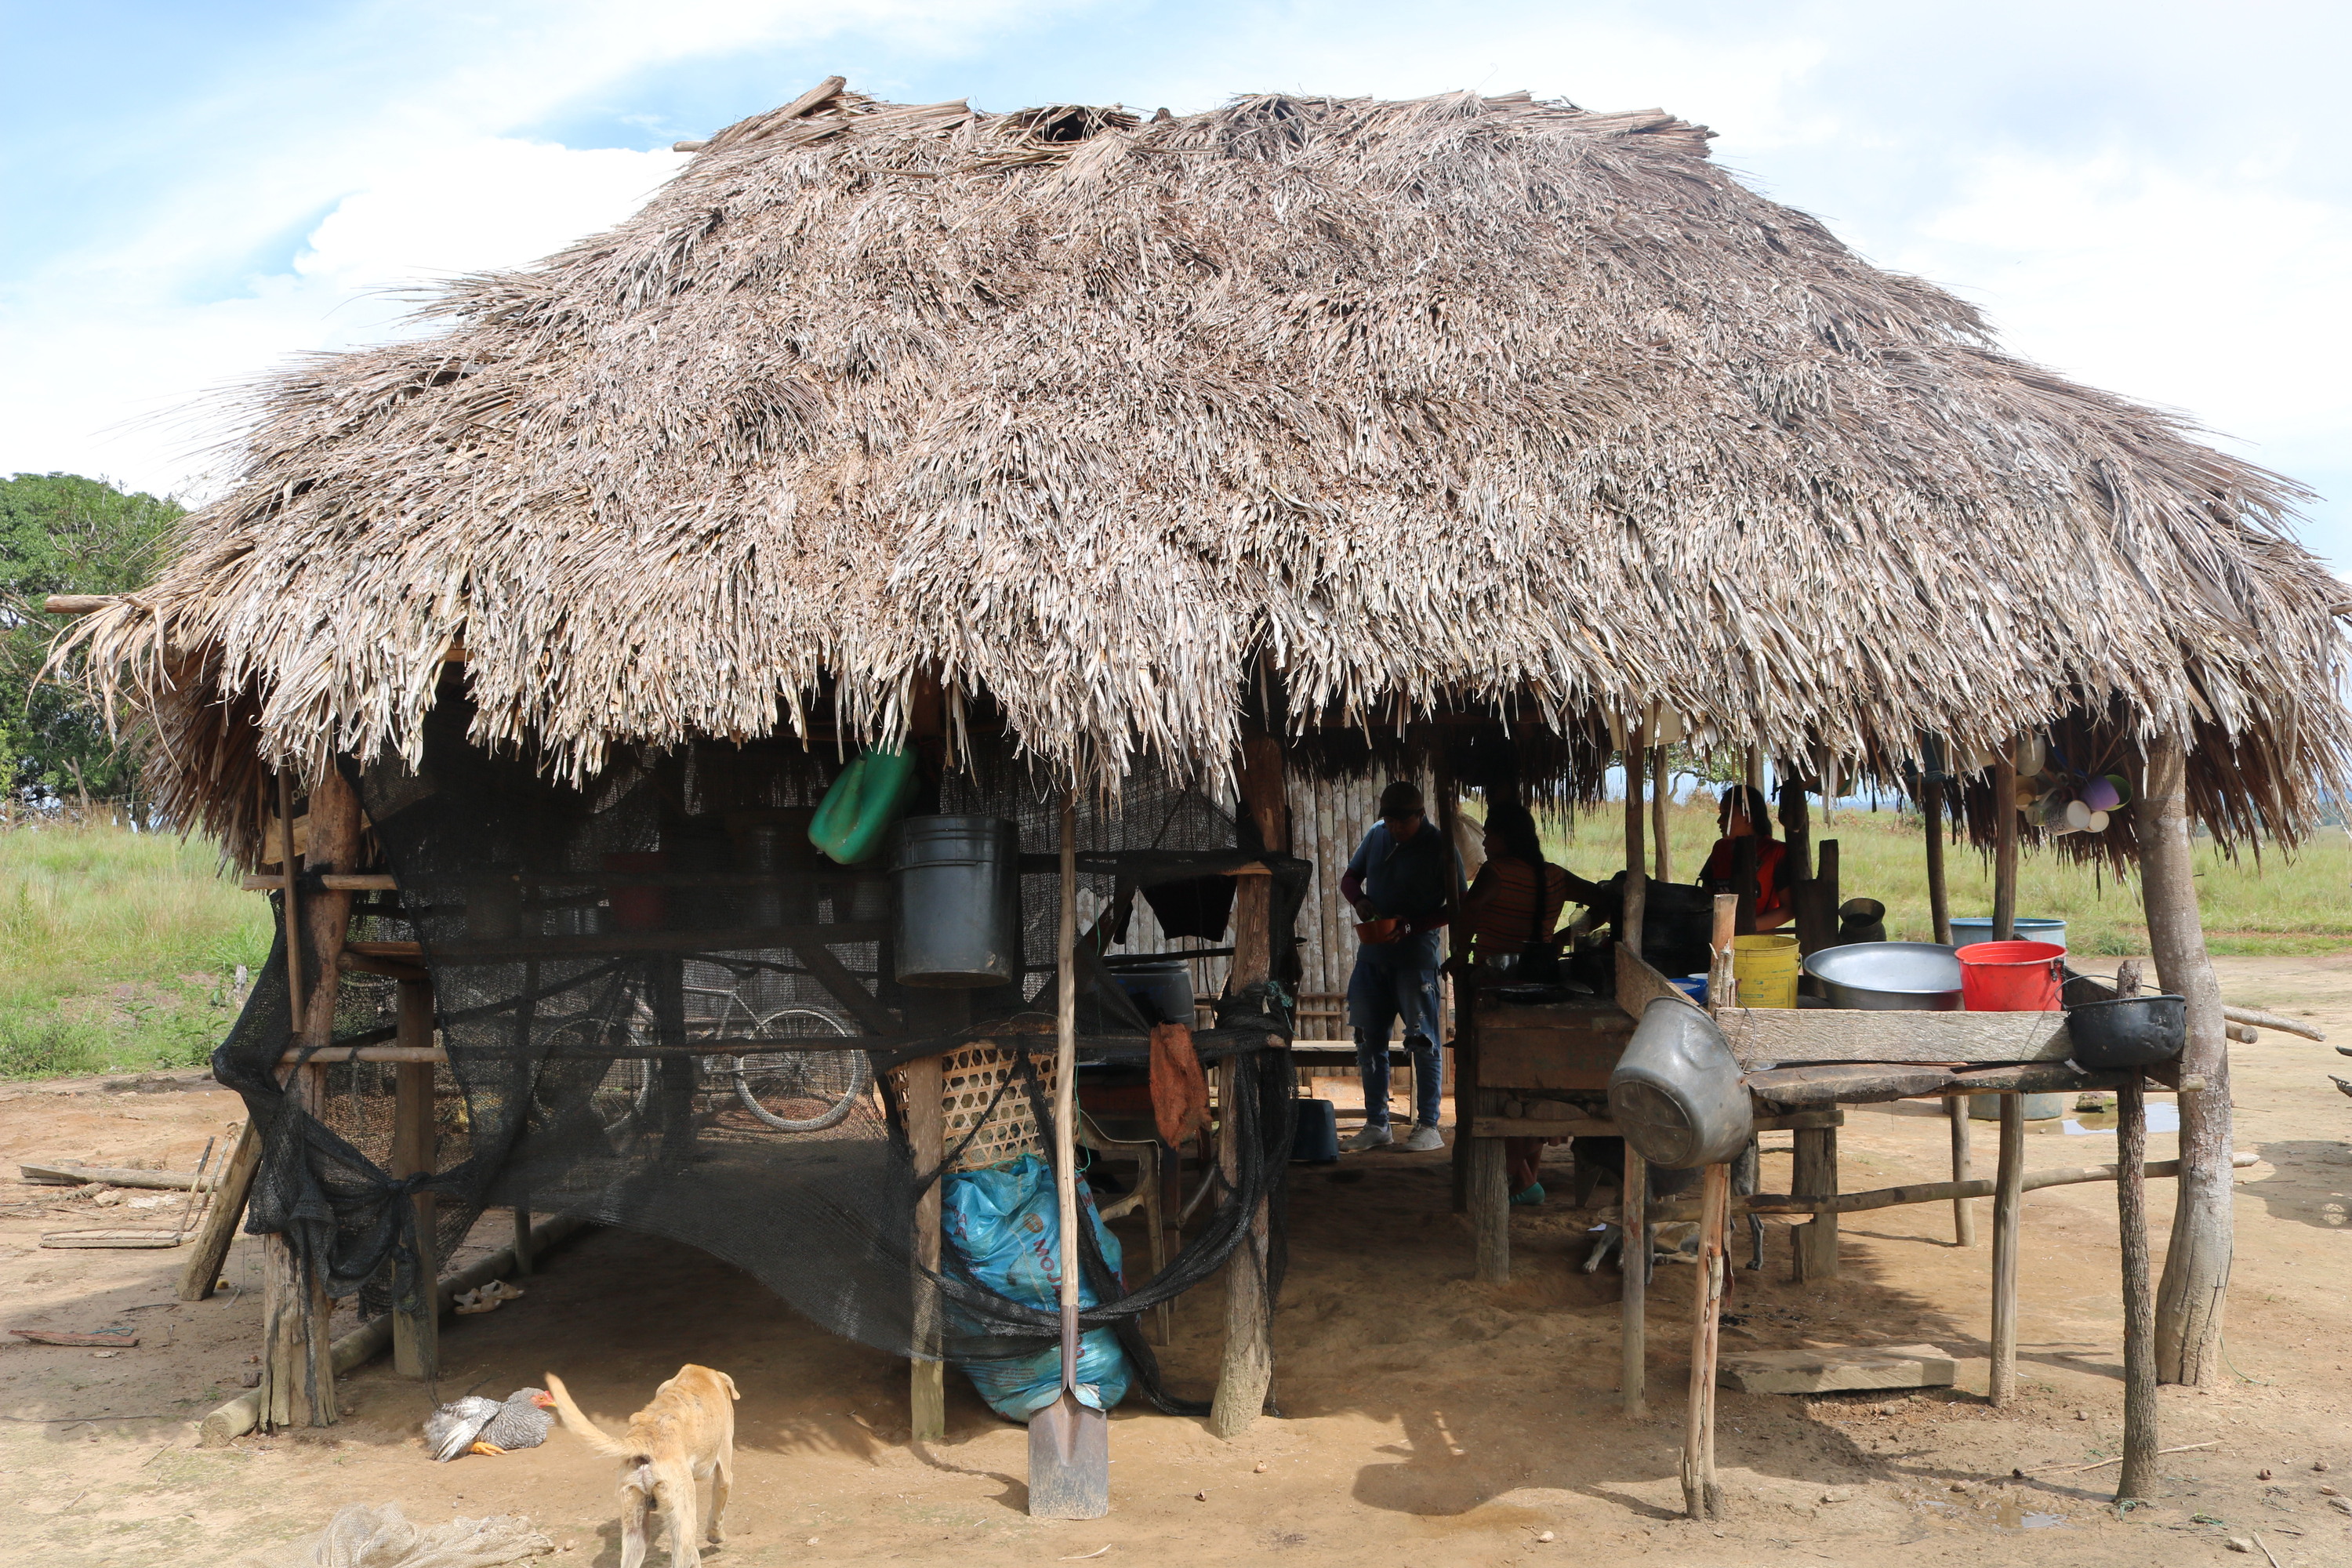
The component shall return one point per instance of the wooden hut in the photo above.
(1305, 435)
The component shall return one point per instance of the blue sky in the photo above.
(2148, 196)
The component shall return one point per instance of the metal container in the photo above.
(2128, 1032)
(957, 881)
(1675, 1093)
(1889, 976)
(1163, 992)
(1315, 1138)
(1970, 928)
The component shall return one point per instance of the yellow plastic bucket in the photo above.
(1766, 966)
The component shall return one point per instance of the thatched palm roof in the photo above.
(1457, 398)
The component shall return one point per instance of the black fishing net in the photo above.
(661, 1010)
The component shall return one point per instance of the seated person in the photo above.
(1500, 911)
(1741, 815)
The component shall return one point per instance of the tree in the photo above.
(63, 533)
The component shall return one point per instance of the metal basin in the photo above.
(1889, 976)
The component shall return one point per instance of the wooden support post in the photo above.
(1815, 1176)
(2138, 1477)
(523, 1238)
(2194, 1287)
(1939, 900)
(1490, 1207)
(2008, 1195)
(2004, 845)
(415, 1318)
(1171, 1229)
(1964, 1217)
(1629, 929)
(1633, 1333)
(1246, 1373)
(1796, 831)
(1465, 1001)
(298, 1372)
(1661, 791)
(1722, 978)
(217, 1229)
(1247, 1370)
(1756, 766)
(1743, 886)
(926, 1080)
(1702, 1499)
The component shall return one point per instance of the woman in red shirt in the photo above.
(1741, 815)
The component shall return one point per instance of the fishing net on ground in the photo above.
(662, 1011)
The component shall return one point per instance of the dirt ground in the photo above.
(1426, 1419)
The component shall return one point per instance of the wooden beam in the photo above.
(1702, 1499)
(1636, 894)
(2138, 1478)
(1963, 1216)
(1815, 1176)
(356, 882)
(78, 603)
(1633, 1301)
(926, 1081)
(2194, 1287)
(217, 1229)
(2004, 845)
(1661, 796)
(2009, 1187)
(1534, 1126)
(1789, 1037)
(1939, 900)
(1672, 1209)
(415, 1316)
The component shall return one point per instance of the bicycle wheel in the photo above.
(627, 1087)
(803, 1091)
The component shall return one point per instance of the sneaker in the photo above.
(1423, 1139)
(1368, 1137)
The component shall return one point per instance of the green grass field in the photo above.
(2278, 904)
(117, 950)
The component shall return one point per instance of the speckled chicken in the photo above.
(478, 1425)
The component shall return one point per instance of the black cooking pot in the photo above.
(2127, 1032)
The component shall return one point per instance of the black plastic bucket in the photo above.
(1314, 1140)
(2127, 1032)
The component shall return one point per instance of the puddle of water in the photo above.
(2163, 1116)
(2009, 1515)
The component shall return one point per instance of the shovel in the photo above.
(1069, 1439)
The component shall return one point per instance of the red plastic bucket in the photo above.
(638, 909)
(2011, 976)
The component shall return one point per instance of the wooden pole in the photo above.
(416, 1320)
(1661, 796)
(1815, 1176)
(1629, 930)
(1490, 1210)
(1633, 1304)
(2194, 1287)
(217, 1229)
(1964, 1216)
(1722, 978)
(2004, 845)
(1940, 901)
(1465, 1001)
(1246, 1373)
(1756, 766)
(2009, 1190)
(1701, 1497)
(2138, 1477)
(1796, 830)
(925, 1082)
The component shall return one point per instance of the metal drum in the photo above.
(957, 885)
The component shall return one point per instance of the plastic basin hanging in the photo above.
(853, 823)
(2011, 976)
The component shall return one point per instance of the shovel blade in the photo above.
(1069, 1461)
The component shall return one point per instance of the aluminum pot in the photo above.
(1889, 976)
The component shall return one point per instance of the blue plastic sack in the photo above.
(1005, 1223)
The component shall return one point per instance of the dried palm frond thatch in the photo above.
(1441, 403)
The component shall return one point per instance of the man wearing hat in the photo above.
(1397, 883)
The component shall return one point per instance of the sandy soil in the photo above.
(1427, 1420)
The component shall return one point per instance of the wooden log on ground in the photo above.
(1702, 1499)
(1815, 1176)
(242, 1414)
(2259, 1020)
(2009, 1187)
(66, 1174)
(1633, 1331)
(1964, 1217)
(218, 1227)
(926, 1132)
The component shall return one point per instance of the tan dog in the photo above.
(687, 1433)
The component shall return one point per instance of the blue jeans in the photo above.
(1397, 981)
